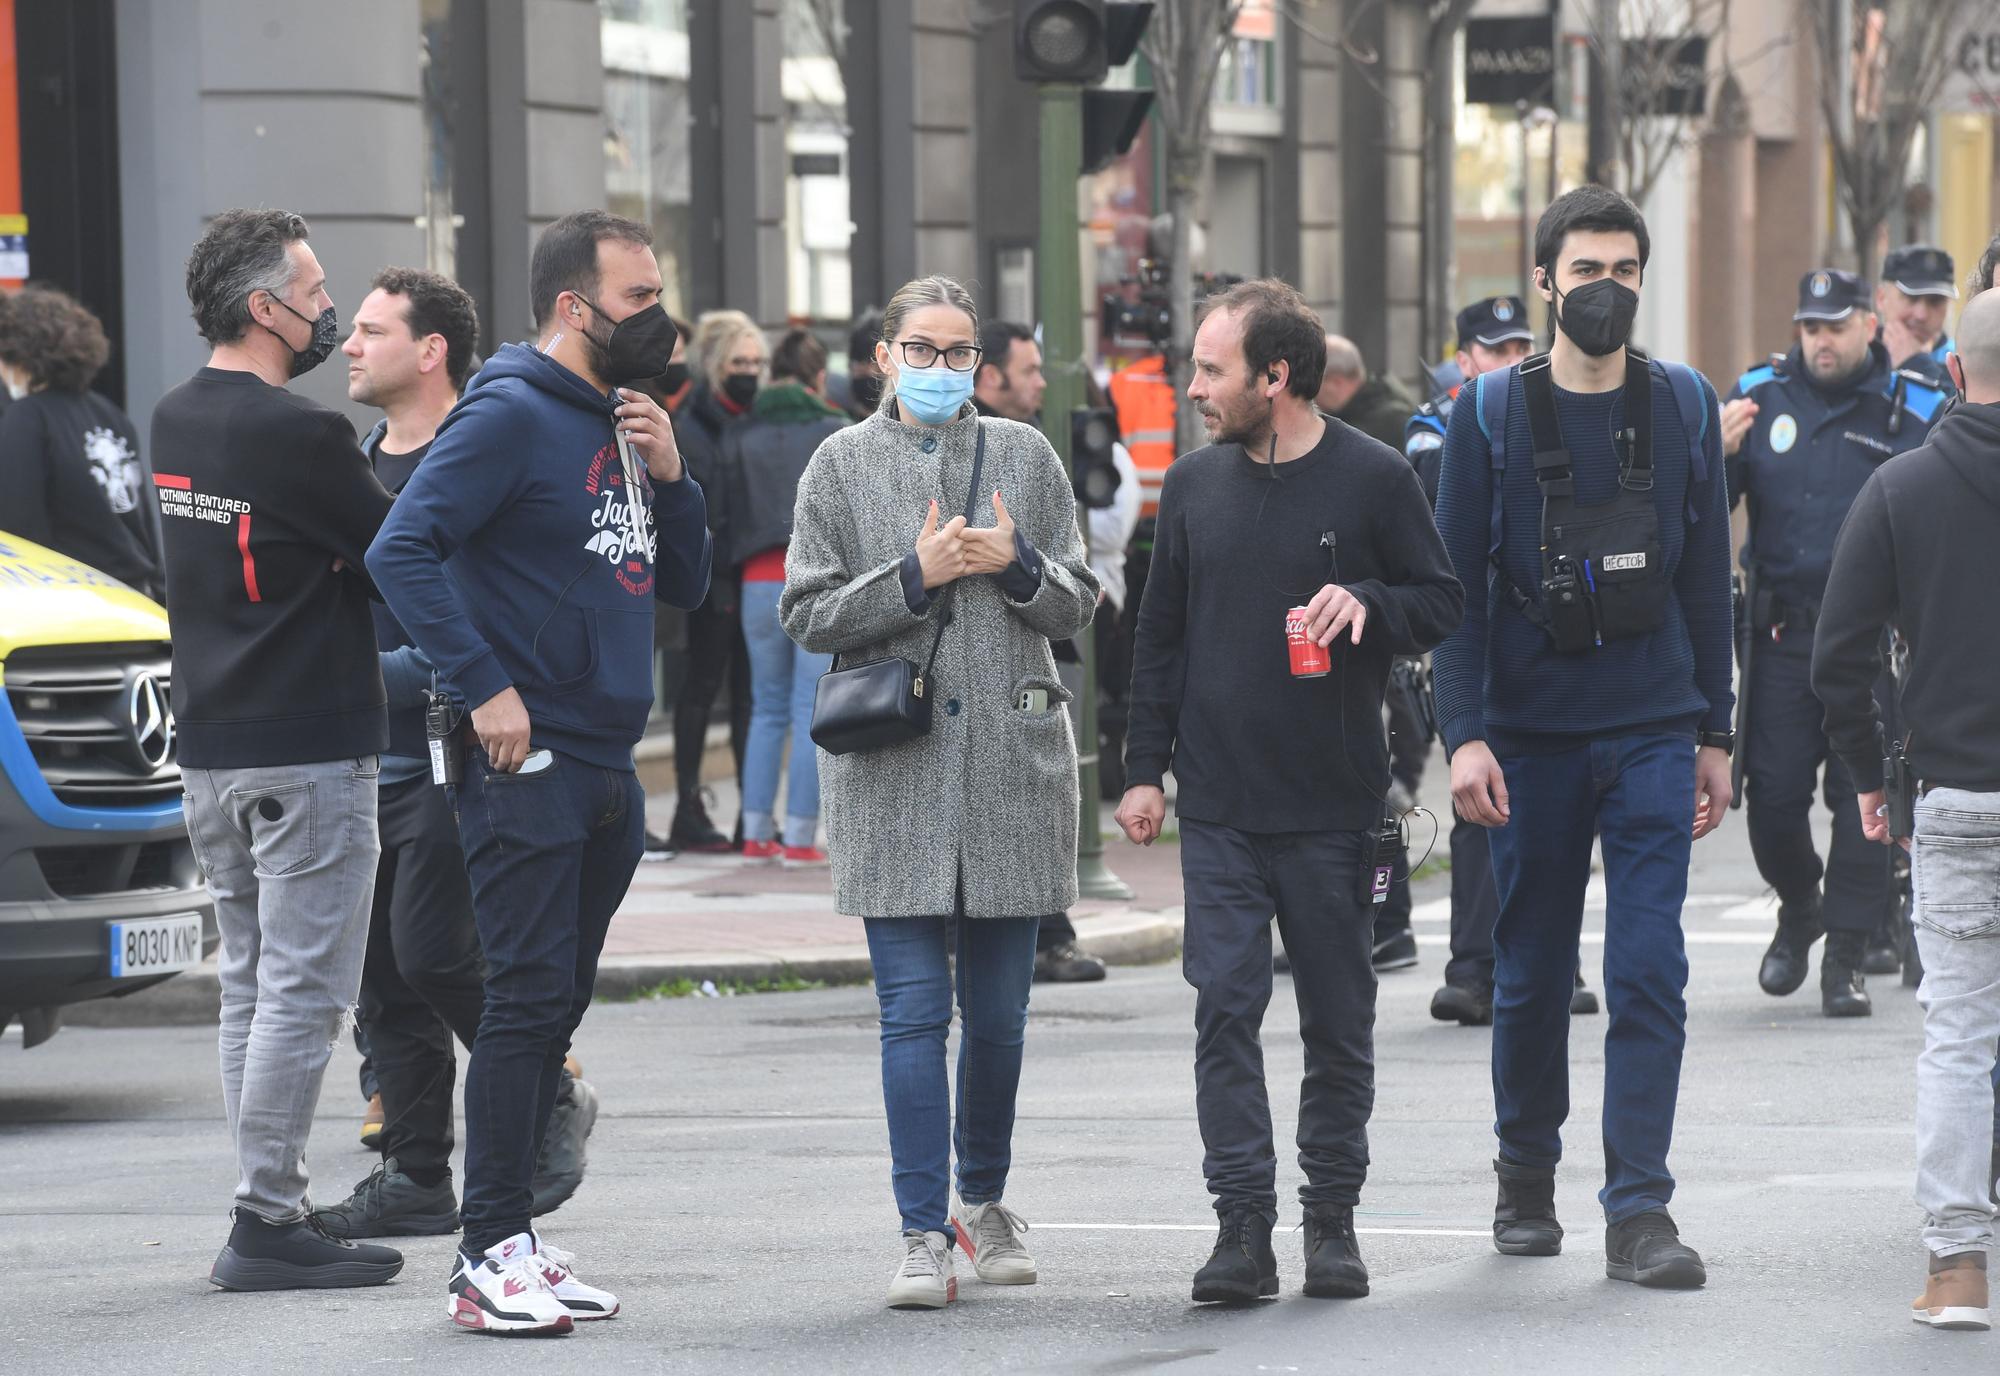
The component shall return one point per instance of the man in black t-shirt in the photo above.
(267, 508)
(69, 459)
(1282, 777)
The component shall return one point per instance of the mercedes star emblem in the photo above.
(152, 719)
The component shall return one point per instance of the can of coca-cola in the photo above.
(1309, 658)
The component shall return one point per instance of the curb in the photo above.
(190, 999)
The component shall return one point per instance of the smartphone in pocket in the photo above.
(1033, 700)
(537, 761)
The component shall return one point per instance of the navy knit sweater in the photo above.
(1497, 671)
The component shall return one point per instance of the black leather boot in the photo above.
(1334, 1268)
(1843, 990)
(1524, 1220)
(1789, 955)
(1242, 1267)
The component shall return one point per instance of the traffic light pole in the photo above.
(1061, 310)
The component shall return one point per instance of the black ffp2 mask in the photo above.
(1597, 316)
(641, 345)
(325, 339)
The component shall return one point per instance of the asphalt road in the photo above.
(739, 1201)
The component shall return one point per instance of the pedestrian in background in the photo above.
(69, 458)
(762, 461)
(729, 361)
(670, 624)
(1373, 403)
(1921, 551)
(860, 391)
(973, 823)
(280, 714)
(1282, 767)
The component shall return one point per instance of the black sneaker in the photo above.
(1334, 1268)
(1396, 951)
(1582, 1002)
(693, 831)
(658, 849)
(1067, 964)
(1468, 1005)
(1242, 1268)
(1524, 1218)
(297, 1256)
(560, 1170)
(1648, 1251)
(1787, 958)
(390, 1204)
(1843, 990)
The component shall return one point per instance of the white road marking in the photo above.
(1210, 1227)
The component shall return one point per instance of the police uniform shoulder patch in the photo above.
(1921, 396)
(1755, 378)
(1784, 434)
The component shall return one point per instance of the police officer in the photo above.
(1803, 434)
(1492, 333)
(1914, 302)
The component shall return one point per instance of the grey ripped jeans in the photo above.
(1956, 870)
(289, 854)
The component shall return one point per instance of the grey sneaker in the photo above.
(560, 1170)
(991, 1236)
(924, 1280)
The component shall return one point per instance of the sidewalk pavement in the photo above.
(722, 918)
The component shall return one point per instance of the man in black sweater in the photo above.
(1282, 778)
(1919, 552)
(267, 507)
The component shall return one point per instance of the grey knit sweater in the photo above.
(989, 796)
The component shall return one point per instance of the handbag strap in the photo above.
(971, 496)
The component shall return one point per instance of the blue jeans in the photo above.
(1636, 793)
(550, 856)
(783, 680)
(913, 982)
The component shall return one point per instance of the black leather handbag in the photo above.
(884, 701)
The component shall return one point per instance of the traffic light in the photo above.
(1111, 121)
(1075, 41)
(1094, 473)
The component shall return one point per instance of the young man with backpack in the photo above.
(1587, 695)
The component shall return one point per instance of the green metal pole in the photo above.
(1061, 309)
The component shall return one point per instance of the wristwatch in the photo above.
(1725, 741)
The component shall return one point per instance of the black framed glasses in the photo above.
(959, 357)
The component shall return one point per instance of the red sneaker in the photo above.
(761, 850)
(804, 857)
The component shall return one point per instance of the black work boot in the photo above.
(1842, 989)
(1789, 955)
(1883, 953)
(1334, 1268)
(297, 1256)
(693, 831)
(390, 1204)
(1524, 1220)
(1647, 1250)
(1242, 1267)
(1468, 1005)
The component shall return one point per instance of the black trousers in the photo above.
(715, 650)
(1475, 906)
(1235, 882)
(1788, 760)
(422, 982)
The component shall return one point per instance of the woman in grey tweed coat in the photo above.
(975, 823)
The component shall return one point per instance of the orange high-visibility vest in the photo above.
(1143, 394)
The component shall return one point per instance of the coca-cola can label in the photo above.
(1309, 660)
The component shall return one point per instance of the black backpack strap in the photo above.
(1637, 472)
(1552, 466)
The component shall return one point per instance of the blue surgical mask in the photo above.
(933, 395)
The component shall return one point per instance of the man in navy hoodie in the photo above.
(1587, 694)
(523, 558)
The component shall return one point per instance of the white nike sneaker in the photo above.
(991, 1236)
(505, 1292)
(584, 1302)
(924, 1281)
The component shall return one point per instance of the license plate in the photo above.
(155, 946)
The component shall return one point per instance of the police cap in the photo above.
(1920, 270)
(1493, 321)
(1830, 294)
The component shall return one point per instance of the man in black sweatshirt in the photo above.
(1282, 778)
(267, 507)
(1921, 551)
